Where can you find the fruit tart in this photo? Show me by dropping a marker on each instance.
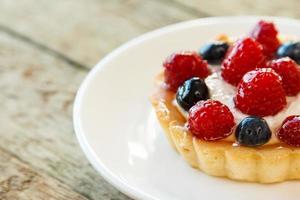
(233, 108)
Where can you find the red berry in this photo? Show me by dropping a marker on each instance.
(210, 120)
(260, 93)
(290, 74)
(245, 55)
(182, 66)
(289, 132)
(266, 34)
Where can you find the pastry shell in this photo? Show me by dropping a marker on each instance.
(265, 164)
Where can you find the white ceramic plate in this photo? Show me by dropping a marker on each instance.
(118, 131)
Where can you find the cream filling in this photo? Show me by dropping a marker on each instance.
(224, 92)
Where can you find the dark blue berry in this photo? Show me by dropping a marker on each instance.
(290, 49)
(192, 91)
(214, 52)
(253, 131)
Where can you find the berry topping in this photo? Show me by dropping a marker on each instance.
(180, 67)
(289, 132)
(192, 91)
(210, 120)
(290, 74)
(266, 34)
(260, 93)
(214, 52)
(245, 55)
(253, 131)
(290, 49)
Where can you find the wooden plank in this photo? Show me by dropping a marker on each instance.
(288, 8)
(37, 92)
(85, 30)
(18, 181)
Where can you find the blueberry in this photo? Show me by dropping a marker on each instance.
(192, 91)
(253, 131)
(290, 49)
(214, 52)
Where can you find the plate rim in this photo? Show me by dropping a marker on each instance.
(96, 162)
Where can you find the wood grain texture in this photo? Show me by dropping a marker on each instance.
(85, 30)
(37, 92)
(18, 182)
(289, 8)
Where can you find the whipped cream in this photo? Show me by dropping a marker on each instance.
(224, 92)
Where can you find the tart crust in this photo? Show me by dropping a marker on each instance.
(265, 164)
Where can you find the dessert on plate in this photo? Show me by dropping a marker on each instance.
(233, 108)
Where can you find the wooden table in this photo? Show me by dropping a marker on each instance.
(46, 49)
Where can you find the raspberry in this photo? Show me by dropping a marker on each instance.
(182, 66)
(290, 74)
(210, 120)
(289, 132)
(260, 93)
(245, 55)
(266, 34)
